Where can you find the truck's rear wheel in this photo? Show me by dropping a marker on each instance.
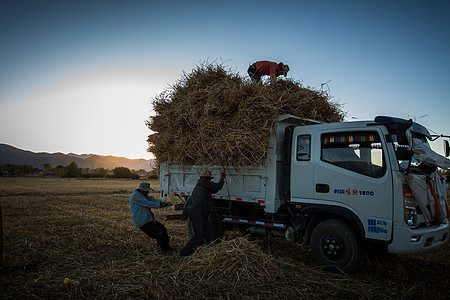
(335, 245)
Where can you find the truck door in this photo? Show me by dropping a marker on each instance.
(302, 166)
(351, 170)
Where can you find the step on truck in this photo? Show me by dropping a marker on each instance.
(342, 188)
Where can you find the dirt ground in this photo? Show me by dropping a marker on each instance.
(82, 229)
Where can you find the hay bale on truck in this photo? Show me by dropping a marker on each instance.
(213, 116)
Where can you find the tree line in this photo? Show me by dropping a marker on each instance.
(73, 171)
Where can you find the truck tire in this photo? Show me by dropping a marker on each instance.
(334, 244)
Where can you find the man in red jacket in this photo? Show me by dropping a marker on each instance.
(261, 68)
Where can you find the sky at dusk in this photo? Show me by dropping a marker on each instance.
(80, 76)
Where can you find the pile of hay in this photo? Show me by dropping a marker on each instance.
(213, 116)
(240, 269)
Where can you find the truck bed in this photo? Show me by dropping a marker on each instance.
(247, 184)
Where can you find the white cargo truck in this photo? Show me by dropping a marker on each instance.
(341, 188)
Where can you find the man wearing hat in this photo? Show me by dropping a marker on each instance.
(264, 67)
(199, 207)
(141, 204)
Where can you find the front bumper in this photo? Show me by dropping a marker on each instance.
(407, 241)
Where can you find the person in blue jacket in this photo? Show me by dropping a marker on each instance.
(141, 205)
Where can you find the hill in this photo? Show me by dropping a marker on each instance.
(13, 155)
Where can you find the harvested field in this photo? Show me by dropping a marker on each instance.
(214, 116)
(82, 229)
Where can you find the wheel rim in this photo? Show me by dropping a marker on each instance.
(333, 247)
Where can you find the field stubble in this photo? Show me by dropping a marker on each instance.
(83, 229)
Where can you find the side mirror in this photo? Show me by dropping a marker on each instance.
(446, 148)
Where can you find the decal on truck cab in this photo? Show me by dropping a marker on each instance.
(377, 225)
(353, 192)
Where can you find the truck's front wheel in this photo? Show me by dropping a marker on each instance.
(334, 244)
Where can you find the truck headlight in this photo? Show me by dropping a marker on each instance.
(409, 206)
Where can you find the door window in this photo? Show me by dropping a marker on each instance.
(360, 152)
(303, 147)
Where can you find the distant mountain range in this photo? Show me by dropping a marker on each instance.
(13, 155)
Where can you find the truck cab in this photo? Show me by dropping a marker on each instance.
(359, 177)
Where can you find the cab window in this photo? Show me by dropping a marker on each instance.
(360, 152)
(303, 151)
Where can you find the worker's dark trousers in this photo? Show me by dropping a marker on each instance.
(157, 231)
(202, 230)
